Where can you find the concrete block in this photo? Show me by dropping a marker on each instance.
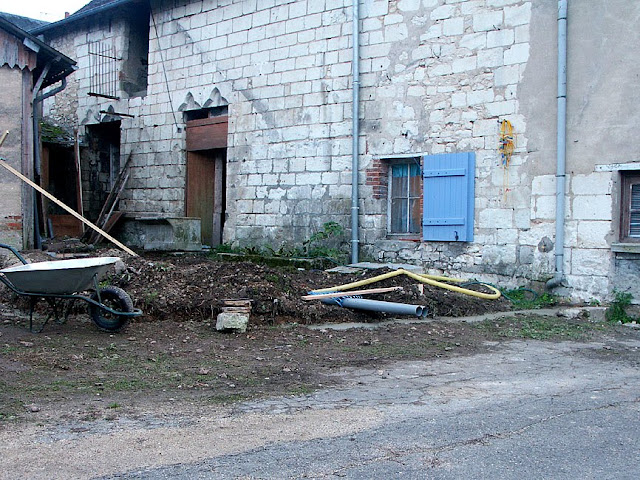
(592, 207)
(517, 15)
(464, 64)
(544, 207)
(485, 22)
(443, 12)
(480, 96)
(453, 26)
(495, 218)
(518, 53)
(591, 261)
(593, 234)
(473, 41)
(396, 33)
(508, 75)
(235, 321)
(592, 184)
(500, 38)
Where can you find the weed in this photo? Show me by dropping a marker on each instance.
(114, 405)
(526, 299)
(537, 328)
(617, 311)
(149, 298)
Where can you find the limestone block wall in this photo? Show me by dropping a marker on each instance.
(437, 76)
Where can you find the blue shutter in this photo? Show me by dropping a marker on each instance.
(448, 208)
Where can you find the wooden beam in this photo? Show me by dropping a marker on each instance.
(320, 296)
(68, 209)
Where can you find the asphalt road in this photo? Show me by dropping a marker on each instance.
(525, 410)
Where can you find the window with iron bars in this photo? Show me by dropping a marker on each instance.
(103, 70)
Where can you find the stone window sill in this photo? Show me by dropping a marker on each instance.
(404, 237)
(625, 247)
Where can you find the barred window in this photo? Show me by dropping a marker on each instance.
(103, 70)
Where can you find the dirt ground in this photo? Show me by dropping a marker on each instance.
(174, 353)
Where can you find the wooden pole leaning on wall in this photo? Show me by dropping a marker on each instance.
(68, 209)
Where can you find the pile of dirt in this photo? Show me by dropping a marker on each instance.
(195, 287)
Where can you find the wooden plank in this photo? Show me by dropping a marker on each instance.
(67, 208)
(200, 192)
(208, 121)
(207, 136)
(112, 198)
(78, 172)
(369, 291)
(218, 196)
(65, 225)
(96, 237)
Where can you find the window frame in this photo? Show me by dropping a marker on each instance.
(629, 179)
(408, 161)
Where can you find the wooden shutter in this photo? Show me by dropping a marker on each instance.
(448, 183)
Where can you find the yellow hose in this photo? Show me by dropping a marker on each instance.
(434, 280)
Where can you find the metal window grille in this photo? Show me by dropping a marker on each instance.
(634, 211)
(103, 71)
(404, 198)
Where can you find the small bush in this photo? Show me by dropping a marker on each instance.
(617, 311)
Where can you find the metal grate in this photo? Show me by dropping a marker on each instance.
(103, 71)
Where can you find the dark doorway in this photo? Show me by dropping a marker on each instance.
(100, 166)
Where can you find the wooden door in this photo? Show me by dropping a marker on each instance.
(206, 173)
(206, 192)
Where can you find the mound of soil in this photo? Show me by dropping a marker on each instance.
(195, 287)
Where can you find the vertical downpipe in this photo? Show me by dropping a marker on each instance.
(355, 241)
(558, 279)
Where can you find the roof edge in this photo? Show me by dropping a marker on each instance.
(79, 16)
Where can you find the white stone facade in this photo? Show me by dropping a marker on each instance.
(437, 76)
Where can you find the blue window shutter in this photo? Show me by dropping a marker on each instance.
(449, 193)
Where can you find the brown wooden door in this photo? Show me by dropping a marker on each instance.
(206, 173)
(205, 192)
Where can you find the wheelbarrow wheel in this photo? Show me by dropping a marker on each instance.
(116, 299)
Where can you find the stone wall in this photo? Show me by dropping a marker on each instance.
(437, 76)
(11, 186)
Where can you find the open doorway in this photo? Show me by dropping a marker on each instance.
(100, 166)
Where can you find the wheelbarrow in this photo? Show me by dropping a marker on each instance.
(66, 281)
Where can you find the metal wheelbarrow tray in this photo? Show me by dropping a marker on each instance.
(110, 307)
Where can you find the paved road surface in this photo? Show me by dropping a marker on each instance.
(524, 410)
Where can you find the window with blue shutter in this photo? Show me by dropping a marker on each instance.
(448, 197)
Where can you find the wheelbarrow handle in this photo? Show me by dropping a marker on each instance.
(15, 252)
